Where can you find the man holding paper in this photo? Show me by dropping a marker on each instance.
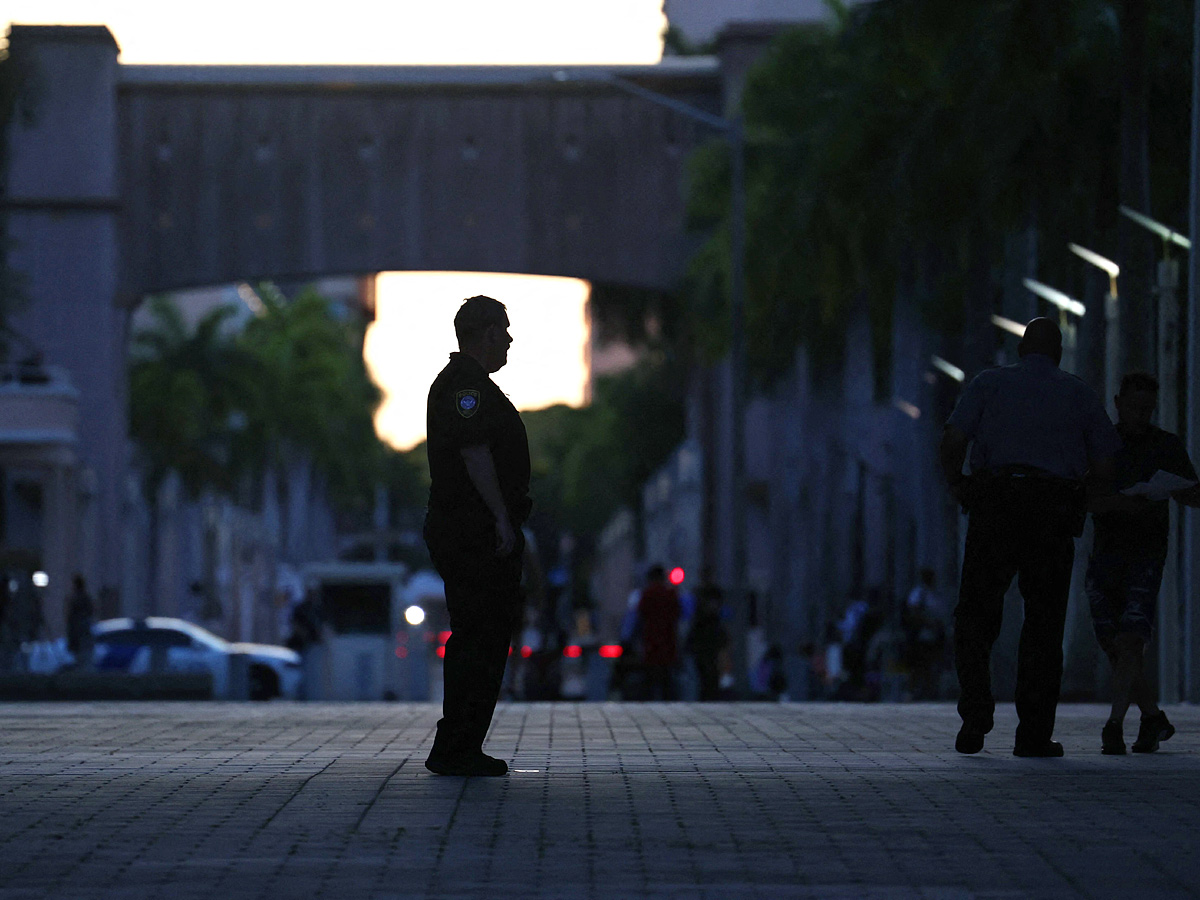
(1132, 527)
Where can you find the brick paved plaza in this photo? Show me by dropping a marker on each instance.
(285, 800)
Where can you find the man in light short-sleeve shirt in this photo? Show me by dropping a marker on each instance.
(1034, 432)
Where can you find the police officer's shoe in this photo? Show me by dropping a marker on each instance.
(1112, 739)
(467, 766)
(1047, 749)
(970, 739)
(1152, 730)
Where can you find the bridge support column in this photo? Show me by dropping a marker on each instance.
(61, 206)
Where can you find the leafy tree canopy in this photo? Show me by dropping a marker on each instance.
(221, 407)
(894, 146)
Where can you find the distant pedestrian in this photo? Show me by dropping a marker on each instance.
(9, 643)
(81, 613)
(26, 623)
(1128, 554)
(923, 619)
(832, 668)
(708, 637)
(863, 618)
(306, 621)
(306, 638)
(478, 500)
(658, 612)
(31, 619)
(1034, 432)
(769, 681)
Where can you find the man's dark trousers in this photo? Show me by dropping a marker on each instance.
(1022, 529)
(483, 598)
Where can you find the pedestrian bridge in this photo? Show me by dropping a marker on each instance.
(234, 172)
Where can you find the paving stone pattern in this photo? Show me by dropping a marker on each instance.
(280, 800)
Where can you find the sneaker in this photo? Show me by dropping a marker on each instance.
(1047, 750)
(1151, 731)
(969, 740)
(1112, 739)
(471, 765)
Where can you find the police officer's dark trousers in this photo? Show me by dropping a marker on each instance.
(483, 598)
(1019, 527)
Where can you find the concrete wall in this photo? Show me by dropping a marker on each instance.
(672, 503)
(843, 489)
(615, 573)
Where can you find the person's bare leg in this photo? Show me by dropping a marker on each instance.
(1129, 677)
(1140, 690)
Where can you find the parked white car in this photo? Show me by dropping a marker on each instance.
(174, 645)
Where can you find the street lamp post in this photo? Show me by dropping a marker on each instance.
(1172, 654)
(1066, 304)
(1112, 322)
(1191, 517)
(951, 371)
(1014, 328)
(733, 132)
(1077, 625)
(1166, 287)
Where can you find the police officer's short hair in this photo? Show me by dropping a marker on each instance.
(1138, 381)
(476, 314)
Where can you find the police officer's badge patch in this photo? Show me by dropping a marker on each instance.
(467, 403)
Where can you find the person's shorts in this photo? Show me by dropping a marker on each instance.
(1123, 595)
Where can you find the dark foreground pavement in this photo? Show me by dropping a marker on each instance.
(281, 801)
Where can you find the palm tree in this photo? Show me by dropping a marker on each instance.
(186, 389)
(311, 404)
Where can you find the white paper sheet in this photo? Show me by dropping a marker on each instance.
(1160, 486)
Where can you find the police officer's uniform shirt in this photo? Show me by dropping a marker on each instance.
(467, 409)
(1034, 414)
(1138, 459)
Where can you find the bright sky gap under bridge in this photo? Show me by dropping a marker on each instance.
(413, 336)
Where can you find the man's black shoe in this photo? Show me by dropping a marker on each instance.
(969, 740)
(1151, 731)
(469, 766)
(1112, 739)
(1048, 750)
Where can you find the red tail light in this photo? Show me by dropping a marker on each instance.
(441, 652)
(611, 651)
(572, 651)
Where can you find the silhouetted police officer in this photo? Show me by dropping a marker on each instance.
(1035, 432)
(478, 500)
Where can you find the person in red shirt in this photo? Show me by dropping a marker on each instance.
(658, 612)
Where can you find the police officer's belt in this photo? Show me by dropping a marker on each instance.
(1061, 499)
